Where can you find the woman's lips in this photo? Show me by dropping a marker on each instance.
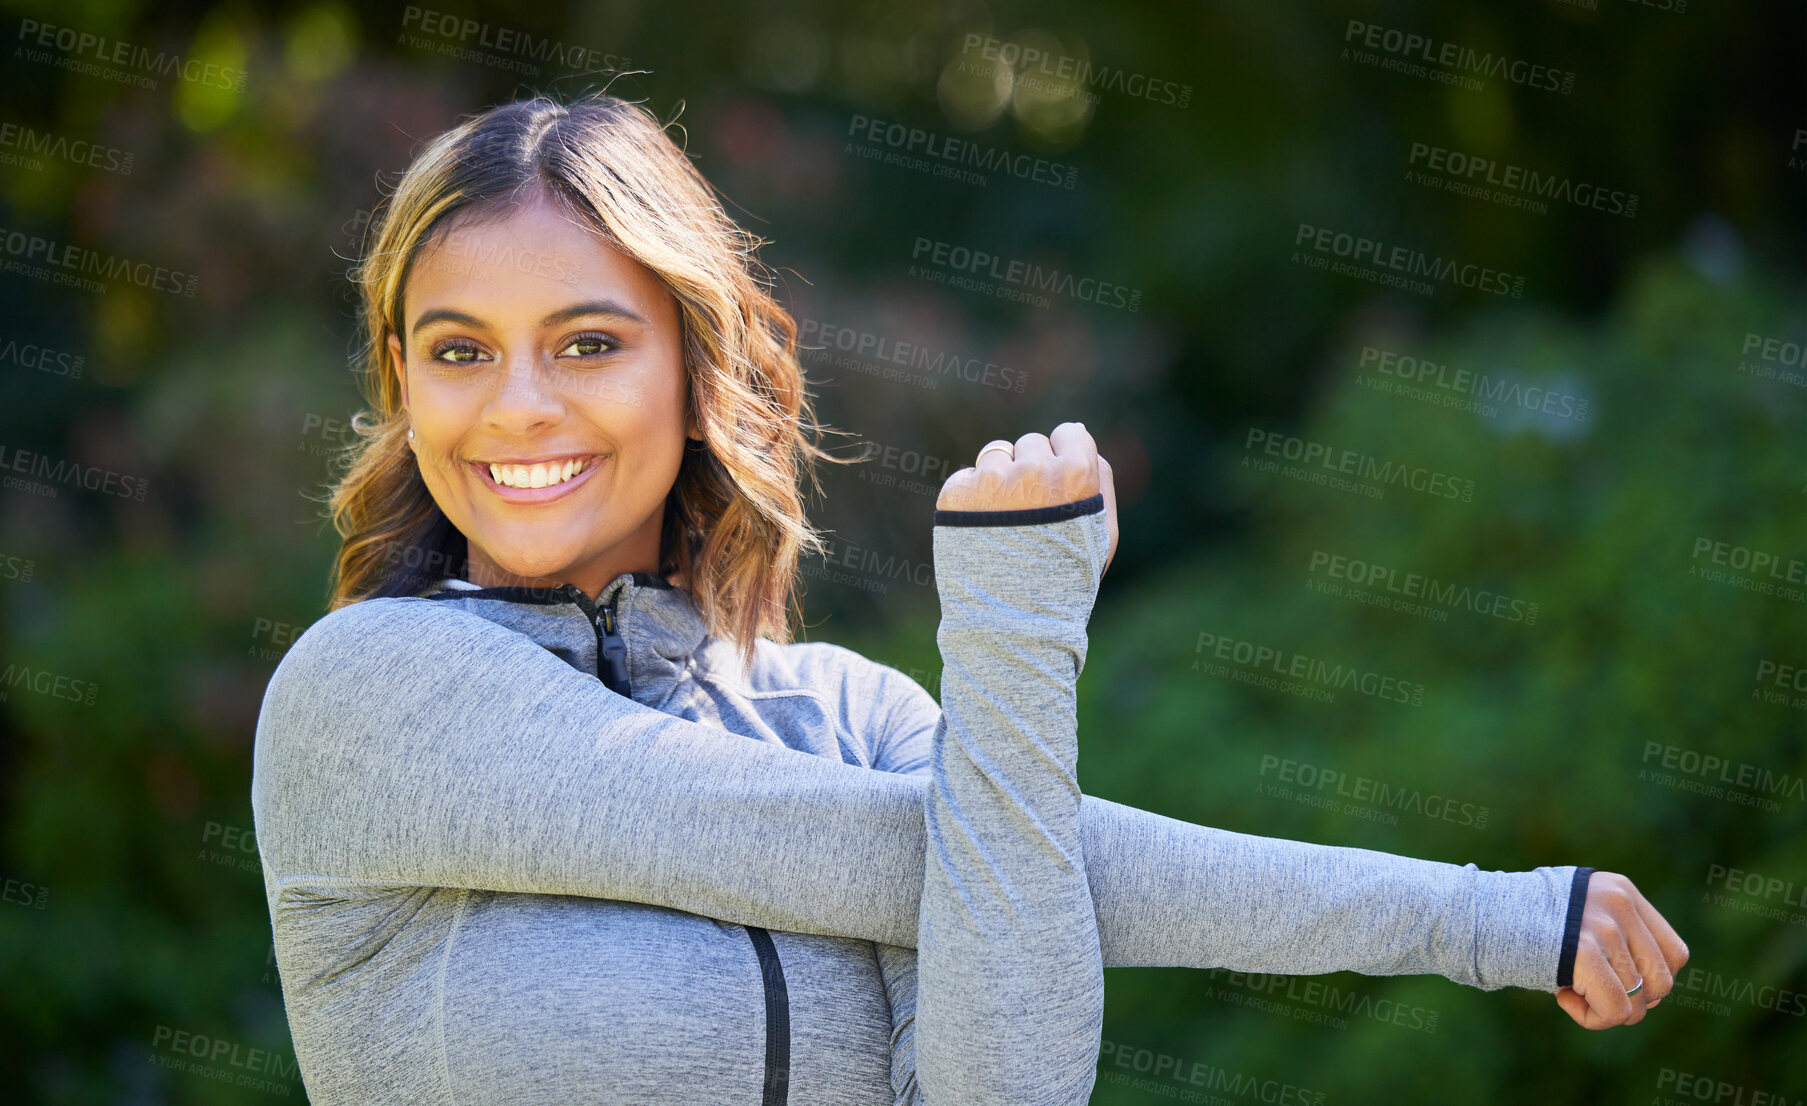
(537, 495)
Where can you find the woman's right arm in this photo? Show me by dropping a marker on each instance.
(403, 742)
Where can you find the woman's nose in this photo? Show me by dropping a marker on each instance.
(527, 395)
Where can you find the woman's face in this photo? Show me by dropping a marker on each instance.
(532, 346)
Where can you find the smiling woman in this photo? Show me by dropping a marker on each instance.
(550, 808)
(553, 283)
(548, 440)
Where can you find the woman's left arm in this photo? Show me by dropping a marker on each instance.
(1010, 1000)
(1006, 977)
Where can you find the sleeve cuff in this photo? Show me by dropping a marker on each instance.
(1011, 589)
(1028, 516)
(1521, 918)
(1571, 928)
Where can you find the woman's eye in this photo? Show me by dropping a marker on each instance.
(588, 345)
(464, 352)
(458, 352)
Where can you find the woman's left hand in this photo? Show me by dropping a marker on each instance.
(1040, 471)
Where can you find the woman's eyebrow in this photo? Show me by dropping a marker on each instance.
(594, 307)
(563, 314)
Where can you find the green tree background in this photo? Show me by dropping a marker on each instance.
(133, 906)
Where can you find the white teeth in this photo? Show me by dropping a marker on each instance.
(536, 476)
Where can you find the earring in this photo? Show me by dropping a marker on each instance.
(410, 433)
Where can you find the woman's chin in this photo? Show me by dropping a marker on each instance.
(525, 570)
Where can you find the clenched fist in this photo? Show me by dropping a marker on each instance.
(1036, 471)
(1623, 939)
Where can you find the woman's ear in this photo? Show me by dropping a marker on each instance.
(398, 365)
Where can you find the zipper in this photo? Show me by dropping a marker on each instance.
(611, 647)
(611, 651)
(777, 1019)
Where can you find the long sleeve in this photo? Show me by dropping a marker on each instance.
(1010, 985)
(402, 742)
(1165, 889)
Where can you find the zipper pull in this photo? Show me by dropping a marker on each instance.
(614, 649)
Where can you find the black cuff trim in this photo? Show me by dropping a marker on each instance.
(1571, 928)
(1028, 516)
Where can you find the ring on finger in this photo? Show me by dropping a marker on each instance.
(1638, 988)
(1003, 447)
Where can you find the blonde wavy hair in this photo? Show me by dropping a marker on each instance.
(734, 524)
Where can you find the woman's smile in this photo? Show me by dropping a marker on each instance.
(537, 481)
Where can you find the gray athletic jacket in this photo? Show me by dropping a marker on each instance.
(521, 847)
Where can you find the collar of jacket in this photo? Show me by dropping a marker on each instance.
(657, 622)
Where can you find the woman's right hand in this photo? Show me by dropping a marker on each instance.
(1041, 470)
(1623, 939)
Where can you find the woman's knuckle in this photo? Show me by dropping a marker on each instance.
(1614, 895)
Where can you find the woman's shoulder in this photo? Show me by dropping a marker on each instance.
(858, 685)
(818, 664)
(365, 634)
(366, 616)
(886, 712)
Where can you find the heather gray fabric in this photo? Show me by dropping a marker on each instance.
(493, 879)
(1010, 983)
